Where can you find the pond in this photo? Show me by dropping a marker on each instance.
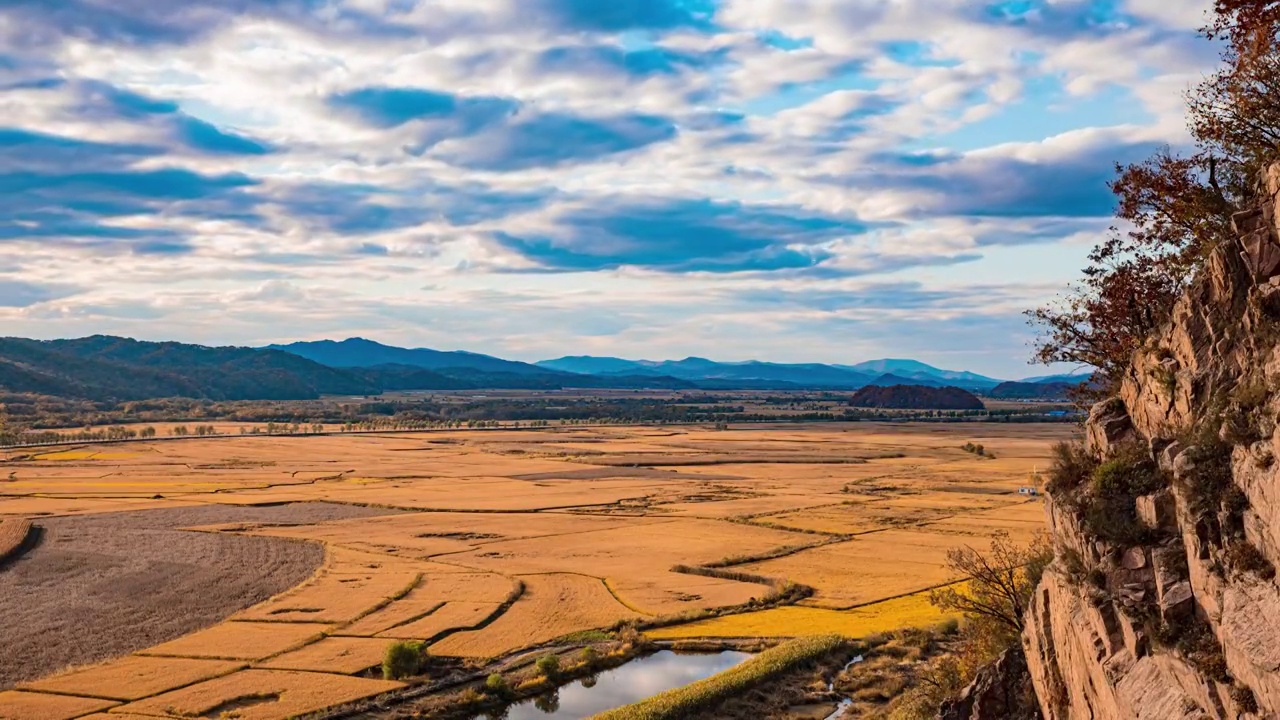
(633, 682)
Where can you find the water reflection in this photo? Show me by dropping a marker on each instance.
(630, 683)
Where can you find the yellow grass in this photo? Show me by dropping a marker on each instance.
(261, 695)
(19, 705)
(867, 568)
(911, 611)
(241, 640)
(552, 606)
(432, 592)
(134, 677)
(348, 655)
(334, 597)
(449, 616)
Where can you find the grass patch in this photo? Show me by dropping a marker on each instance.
(687, 701)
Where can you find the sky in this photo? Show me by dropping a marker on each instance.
(784, 180)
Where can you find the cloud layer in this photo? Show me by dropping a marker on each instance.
(794, 180)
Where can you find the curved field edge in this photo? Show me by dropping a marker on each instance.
(704, 694)
(138, 564)
(16, 536)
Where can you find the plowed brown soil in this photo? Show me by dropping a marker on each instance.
(101, 586)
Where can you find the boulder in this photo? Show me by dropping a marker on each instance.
(1158, 510)
(1135, 558)
(1109, 425)
(1261, 254)
(1269, 297)
(1177, 603)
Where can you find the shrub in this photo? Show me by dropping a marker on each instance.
(1243, 557)
(1250, 393)
(1072, 565)
(1098, 578)
(590, 656)
(1115, 519)
(1110, 512)
(1243, 697)
(1234, 505)
(1072, 465)
(549, 666)
(950, 626)
(941, 681)
(1209, 482)
(1198, 644)
(497, 685)
(1129, 473)
(402, 659)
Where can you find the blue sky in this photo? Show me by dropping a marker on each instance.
(789, 180)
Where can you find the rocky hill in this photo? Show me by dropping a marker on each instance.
(1163, 602)
(915, 397)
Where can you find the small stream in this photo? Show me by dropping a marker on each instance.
(846, 703)
(633, 682)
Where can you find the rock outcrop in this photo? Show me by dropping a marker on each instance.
(1002, 691)
(1179, 617)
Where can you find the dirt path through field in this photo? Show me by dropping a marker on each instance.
(101, 586)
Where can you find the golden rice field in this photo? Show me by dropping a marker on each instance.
(487, 543)
(912, 611)
(551, 606)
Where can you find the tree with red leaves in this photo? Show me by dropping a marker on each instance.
(1175, 209)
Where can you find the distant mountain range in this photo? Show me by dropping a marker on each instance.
(113, 368)
(876, 372)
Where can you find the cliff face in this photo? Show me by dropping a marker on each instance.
(1180, 619)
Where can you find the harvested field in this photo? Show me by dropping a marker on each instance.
(552, 606)
(435, 591)
(260, 695)
(129, 581)
(335, 596)
(134, 677)
(18, 705)
(347, 655)
(241, 640)
(636, 558)
(449, 616)
(14, 535)
(422, 536)
(888, 564)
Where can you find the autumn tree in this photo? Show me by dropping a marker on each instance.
(1173, 209)
(995, 597)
